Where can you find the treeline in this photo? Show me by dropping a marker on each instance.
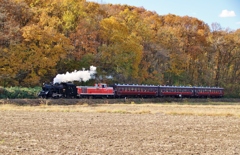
(39, 39)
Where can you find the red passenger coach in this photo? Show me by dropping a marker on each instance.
(99, 90)
(176, 91)
(135, 90)
(213, 92)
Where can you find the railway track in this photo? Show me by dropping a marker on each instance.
(33, 102)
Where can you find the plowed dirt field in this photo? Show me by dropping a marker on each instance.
(120, 129)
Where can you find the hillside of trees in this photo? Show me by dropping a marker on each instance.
(40, 39)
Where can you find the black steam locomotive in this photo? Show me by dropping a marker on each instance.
(62, 90)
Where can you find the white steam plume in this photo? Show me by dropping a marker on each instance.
(83, 75)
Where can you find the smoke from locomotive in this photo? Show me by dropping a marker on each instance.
(82, 75)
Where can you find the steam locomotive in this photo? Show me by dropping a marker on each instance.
(101, 90)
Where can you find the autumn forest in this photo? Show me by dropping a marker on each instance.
(41, 38)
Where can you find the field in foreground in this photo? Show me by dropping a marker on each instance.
(120, 129)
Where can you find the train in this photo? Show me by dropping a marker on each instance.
(102, 90)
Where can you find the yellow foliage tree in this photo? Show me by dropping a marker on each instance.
(121, 50)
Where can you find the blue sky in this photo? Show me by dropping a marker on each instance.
(224, 12)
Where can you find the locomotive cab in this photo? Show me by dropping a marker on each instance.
(69, 90)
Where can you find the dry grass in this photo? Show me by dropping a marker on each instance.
(168, 109)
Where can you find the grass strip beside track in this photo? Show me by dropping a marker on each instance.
(166, 109)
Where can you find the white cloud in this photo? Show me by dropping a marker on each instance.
(238, 23)
(226, 13)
